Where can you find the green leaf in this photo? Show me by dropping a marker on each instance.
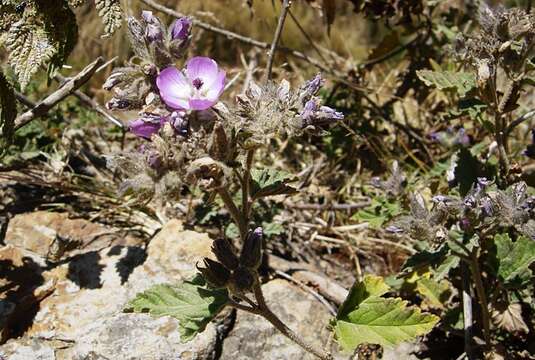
(461, 81)
(192, 303)
(365, 317)
(514, 259)
(360, 291)
(8, 112)
(270, 182)
(378, 213)
(29, 47)
(435, 293)
(440, 262)
(111, 13)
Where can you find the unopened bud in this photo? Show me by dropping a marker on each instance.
(215, 274)
(241, 281)
(251, 255)
(225, 254)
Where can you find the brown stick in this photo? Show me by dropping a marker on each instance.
(276, 38)
(51, 100)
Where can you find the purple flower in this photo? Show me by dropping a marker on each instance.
(315, 114)
(312, 87)
(150, 124)
(180, 29)
(153, 31)
(198, 87)
(146, 126)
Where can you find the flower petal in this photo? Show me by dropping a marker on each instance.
(143, 128)
(217, 87)
(203, 68)
(201, 104)
(175, 89)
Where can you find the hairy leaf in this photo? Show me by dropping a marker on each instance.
(366, 317)
(111, 13)
(380, 211)
(8, 111)
(270, 182)
(29, 47)
(360, 291)
(460, 81)
(435, 293)
(192, 303)
(514, 259)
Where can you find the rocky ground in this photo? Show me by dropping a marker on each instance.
(65, 283)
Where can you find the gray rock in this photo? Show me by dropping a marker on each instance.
(254, 338)
(82, 318)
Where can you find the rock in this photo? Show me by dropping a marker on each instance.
(254, 338)
(52, 235)
(83, 318)
(26, 349)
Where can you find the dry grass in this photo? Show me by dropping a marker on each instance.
(350, 39)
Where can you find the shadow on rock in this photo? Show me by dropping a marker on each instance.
(134, 257)
(85, 270)
(18, 303)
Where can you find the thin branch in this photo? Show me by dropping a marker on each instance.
(234, 212)
(467, 311)
(519, 121)
(24, 100)
(267, 314)
(276, 38)
(338, 76)
(51, 100)
(89, 102)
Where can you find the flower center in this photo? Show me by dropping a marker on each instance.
(197, 83)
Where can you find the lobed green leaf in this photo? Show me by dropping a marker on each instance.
(192, 303)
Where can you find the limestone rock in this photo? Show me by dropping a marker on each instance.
(52, 234)
(254, 338)
(83, 317)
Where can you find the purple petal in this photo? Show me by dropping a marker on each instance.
(201, 104)
(217, 87)
(202, 68)
(180, 28)
(143, 128)
(175, 89)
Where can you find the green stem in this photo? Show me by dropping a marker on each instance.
(234, 212)
(480, 290)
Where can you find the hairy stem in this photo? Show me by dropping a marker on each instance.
(480, 290)
(267, 314)
(278, 32)
(467, 311)
(234, 212)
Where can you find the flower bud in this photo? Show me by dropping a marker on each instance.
(225, 254)
(251, 255)
(214, 273)
(181, 29)
(153, 29)
(241, 281)
(310, 88)
(179, 122)
(146, 126)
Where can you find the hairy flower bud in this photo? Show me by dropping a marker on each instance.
(225, 254)
(215, 274)
(311, 88)
(145, 126)
(315, 115)
(181, 29)
(251, 255)
(153, 29)
(242, 280)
